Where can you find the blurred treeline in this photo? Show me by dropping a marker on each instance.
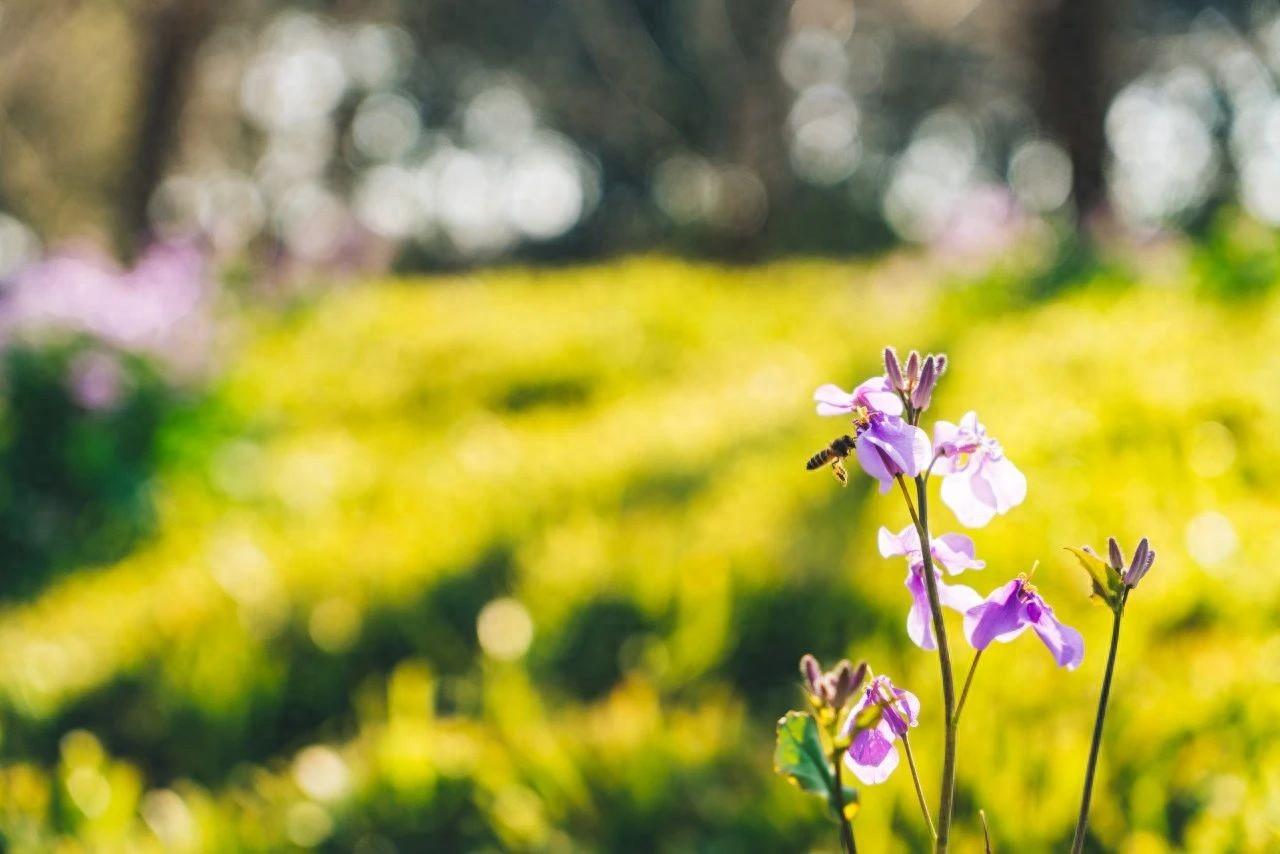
(360, 134)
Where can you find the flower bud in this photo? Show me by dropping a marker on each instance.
(1116, 557)
(812, 673)
(846, 681)
(942, 363)
(892, 369)
(1140, 555)
(924, 389)
(1143, 557)
(830, 691)
(913, 369)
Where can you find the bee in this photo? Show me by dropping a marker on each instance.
(833, 455)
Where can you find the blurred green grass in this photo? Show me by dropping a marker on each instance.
(293, 661)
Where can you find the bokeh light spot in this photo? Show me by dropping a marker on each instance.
(505, 629)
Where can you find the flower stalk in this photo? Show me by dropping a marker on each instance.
(968, 680)
(1112, 583)
(1082, 823)
(920, 517)
(915, 778)
(847, 842)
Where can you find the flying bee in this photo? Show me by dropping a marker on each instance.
(833, 455)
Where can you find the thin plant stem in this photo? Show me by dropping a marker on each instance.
(915, 778)
(968, 680)
(1082, 822)
(847, 842)
(986, 831)
(911, 507)
(920, 516)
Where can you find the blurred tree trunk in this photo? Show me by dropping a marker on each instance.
(170, 34)
(737, 43)
(1068, 39)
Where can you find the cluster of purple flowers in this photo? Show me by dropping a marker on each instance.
(159, 309)
(978, 483)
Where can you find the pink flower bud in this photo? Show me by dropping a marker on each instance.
(924, 389)
(892, 369)
(1114, 554)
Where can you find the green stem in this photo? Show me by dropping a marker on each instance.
(1082, 822)
(847, 844)
(920, 516)
(986, 831)
(968, 680)
(915, 778)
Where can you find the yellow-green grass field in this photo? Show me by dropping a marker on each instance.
(524, 560)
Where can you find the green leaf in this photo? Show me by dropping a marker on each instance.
(798, 754)
(1108, 584)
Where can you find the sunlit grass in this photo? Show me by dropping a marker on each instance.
(616, 452)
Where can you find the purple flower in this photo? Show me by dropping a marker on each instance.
(953, 551)
(957, 597)
(872, 754)
(1010, 610)
(97, 380)
(876, 395)
(887, 447)
(159, 308)
(979, 480)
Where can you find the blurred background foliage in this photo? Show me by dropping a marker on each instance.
(426, 572)
(355, 496)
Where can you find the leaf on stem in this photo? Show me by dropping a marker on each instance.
(798, 754)
(1108, 584)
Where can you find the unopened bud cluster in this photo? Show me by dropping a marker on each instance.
(914, 382)
(1143, 557)
(1111, 579)
(830, 691)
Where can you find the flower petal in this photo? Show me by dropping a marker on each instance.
(1066, 644)
(877, 394)
(900, 544)
(945, 435)
(958, 597)
(999, 618)
(872, 757)
(956, 553)
(921, 450)
(909, 704)
(893, 444)
(969, 497)
(873, 462)
(1008, 485)
(833, 400)
(890, 446)
(920, 616)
